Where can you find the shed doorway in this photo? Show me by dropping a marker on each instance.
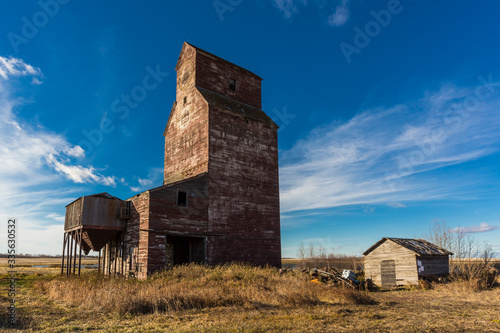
(182, 250)
(388, 273)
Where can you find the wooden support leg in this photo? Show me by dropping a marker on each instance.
(116, 255)
(70, 252)
(64, 246)
(80, 256)
(123, 253)
(99, 263)
(75, 233)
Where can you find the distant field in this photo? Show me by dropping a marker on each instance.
(45, 261)
(291, 260)
(28, 265)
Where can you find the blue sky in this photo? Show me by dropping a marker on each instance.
(388, 110)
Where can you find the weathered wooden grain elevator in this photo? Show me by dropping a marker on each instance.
(220, 196)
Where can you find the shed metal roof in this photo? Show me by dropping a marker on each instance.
(419, 246)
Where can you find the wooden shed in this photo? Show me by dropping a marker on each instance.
(399, 261)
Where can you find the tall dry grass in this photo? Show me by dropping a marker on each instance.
(195, 287)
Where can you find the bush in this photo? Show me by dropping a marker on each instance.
(478, 275)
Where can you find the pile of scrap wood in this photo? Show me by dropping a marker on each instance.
(334, 276)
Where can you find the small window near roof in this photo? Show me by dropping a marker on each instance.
(232, 84)
(182, 198)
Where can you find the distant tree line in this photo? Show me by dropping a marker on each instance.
(319, 257)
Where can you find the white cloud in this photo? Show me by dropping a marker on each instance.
(482, 227)
(36, 81)
(55, 217)
(12, 67)
(388, 155)
(396, 205)
(154, 179)
(368, 209)
(340, 16)
(75, 151)
(79, 174)
(123, 181)
(289, 7)
(145, 182)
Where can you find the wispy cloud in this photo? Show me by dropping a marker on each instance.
(55, 217)
(36, 81)
(396, 205)
(12, 67)
(482, 227)
(340, 16)
(387, 155)
(289, 7)
(78, 173)
(368, 209)
(155, 177)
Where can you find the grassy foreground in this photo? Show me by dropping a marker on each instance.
(236, 298)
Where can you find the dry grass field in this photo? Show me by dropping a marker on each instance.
(235, 298)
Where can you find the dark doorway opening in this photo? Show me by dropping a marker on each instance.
(182, 250)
